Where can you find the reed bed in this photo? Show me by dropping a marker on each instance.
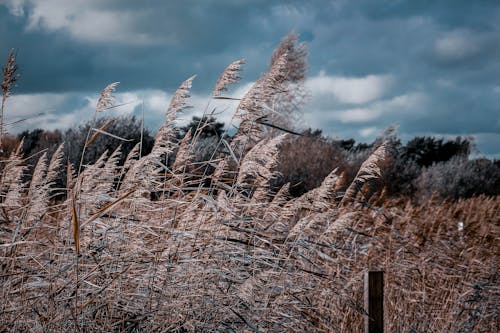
(172, 265)
(156, 247)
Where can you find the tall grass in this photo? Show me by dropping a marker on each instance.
(153, 245)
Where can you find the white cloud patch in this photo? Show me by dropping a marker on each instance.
(351, 90)
(29, 105)
(410, 102)
(358, 115)
(61, 111)
(368, 132)
(457, 45)
(87, 20)
(496, 89)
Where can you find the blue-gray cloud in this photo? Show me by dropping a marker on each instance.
(422, 64)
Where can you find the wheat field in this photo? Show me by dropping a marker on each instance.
(165, 243)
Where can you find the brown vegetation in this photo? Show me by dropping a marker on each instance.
(160, 243)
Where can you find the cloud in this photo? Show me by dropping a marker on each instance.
(372, 57)
(368, 132)
(28, 105)
(458, 45)
(86, 20)
(351, 90)
(401, 105)
(488, 144)
(64, 110)
(15, 7)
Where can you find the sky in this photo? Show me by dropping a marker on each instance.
(428, 67)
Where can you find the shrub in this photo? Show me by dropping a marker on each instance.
(304, 161)
(209, 127)
(410, 160)
(127, 127)
(459, 178)
(38, 139)
(428, 150)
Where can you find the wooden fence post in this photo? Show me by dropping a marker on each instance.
(374, 302)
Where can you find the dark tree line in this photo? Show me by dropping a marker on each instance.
(421, 167)
(417, 169)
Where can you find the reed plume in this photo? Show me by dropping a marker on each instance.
(251, 107)
(370, 169)
(237, 256)
(13, 187)
(229, 76)
(257, 168)
(285, 109)
(164, 140)
(106, 99)
(184, 155)
(10, 77)
(38, 193)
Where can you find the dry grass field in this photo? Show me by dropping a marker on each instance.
(165, 243)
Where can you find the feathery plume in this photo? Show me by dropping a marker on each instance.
(229, 76)
(55, 164)
(71, 177)
(43, 178)
(179, 99)
(339, 224)
(88, 178)
(273, 211)
(326, 191)
(257, 166)
(106, 99)
(262, 91)
(163, 143)
(295, 55)
(132, 157)
(259, 160)
(184, 154)
(342, 182)
(370, 169)
(286, 106)
(12, 185)
(108, 173)
(251, 107)
(143, 176)
(39, 175)
(9, 81)
(9, 75)
(7, 175)
(38, 193)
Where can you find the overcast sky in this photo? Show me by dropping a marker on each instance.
(431, 67)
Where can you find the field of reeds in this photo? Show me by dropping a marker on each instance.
(164, 242)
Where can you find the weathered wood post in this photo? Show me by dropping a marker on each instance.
(374, 302)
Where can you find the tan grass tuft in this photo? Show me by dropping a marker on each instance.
(8, 82)
(106, 99)
(229, 76)
(370, 169)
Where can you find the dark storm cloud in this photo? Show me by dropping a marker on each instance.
(167, 42)
(431, 66)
